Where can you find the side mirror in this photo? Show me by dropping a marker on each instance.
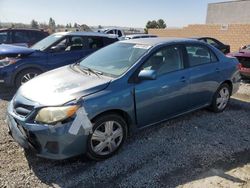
(147, 75)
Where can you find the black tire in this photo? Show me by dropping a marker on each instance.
(98, 123)
(20, 76)
(215, 106)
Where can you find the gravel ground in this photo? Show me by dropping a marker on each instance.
(201, 149)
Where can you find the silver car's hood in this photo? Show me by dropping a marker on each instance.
(61, 85)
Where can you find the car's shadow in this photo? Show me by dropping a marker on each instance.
(7, 93)
(170, 154)
(247, 81)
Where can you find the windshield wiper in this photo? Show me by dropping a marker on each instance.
(97, 73)
(77, 67)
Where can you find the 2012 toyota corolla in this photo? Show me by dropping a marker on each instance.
(91, 106)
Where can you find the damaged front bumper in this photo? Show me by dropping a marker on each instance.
(48, 141)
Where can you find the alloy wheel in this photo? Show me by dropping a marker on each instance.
(28, 77)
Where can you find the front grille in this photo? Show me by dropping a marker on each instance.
(22, 107)
(23, 110)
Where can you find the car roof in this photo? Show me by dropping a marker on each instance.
(202, 37)
(21, 29)
(137, 35)
(82, 33)
(158, 40)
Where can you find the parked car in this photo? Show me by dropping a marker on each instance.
(21, 37)
(113, 31)
(216, 43)
(137, 36)
(91, 106)
(18, 64)
(243, 55)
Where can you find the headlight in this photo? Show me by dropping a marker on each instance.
(7, 61)
(52, 115)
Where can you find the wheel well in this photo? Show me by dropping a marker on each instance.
(121, 113)
(229, 83)
(24, 69)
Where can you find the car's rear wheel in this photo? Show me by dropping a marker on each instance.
(26, 75)
(221, 98)
(109, 133)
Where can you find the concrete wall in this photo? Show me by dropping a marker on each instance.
(229, 12)
(236, 35)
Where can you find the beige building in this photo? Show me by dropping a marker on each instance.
(230, 12)
(228, 21)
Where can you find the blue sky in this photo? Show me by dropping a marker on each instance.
(131, 13)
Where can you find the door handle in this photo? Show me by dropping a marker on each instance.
(183, 79)
(217, 69)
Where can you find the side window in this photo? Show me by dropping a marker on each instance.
(3, 37)
(69, 44)
(95, 42)
(199, 55)
(108, 41)
(75, 43)
(165, 60)
(60, 46)
(111, 32)
(119, 33)
(20, 37)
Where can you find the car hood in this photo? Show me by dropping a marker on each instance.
(62, 85)
(6, 49)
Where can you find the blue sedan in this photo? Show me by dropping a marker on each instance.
(91, 106)
(19, 64)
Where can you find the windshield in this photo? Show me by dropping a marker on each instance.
(115, 59)
(46, 42)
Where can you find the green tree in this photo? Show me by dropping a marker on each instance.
(159, 24)
(152, 24)
(52, 24)
(75, 25)
(43, 25)
(34, 24)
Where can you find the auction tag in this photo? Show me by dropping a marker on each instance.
(81, 120)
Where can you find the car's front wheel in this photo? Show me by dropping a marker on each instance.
(109, 133)
(221, 98)
(26, 75)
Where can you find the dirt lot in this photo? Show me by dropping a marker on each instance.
(201, 149)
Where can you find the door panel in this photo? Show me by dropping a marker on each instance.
(204, 74)
(159, 99)
(59, 59)
(162, 98)
(204, 80)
